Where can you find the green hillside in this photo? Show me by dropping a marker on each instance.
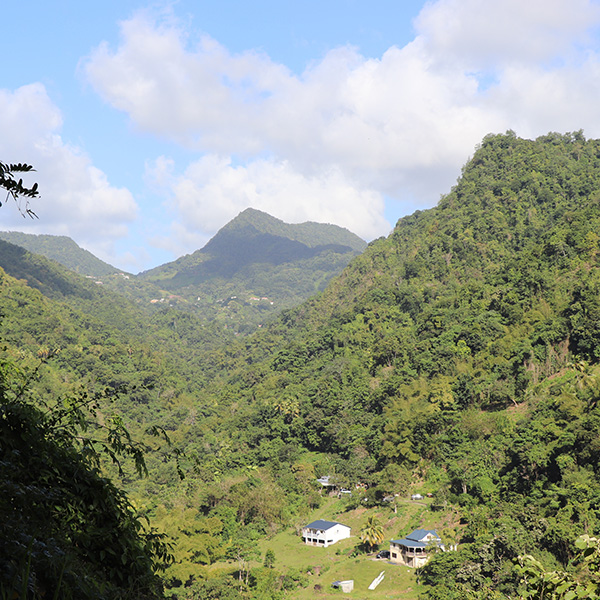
(460, 352)
(100, 335)
(61, 249)
(65, 252)
(458, 358)
(256, 266)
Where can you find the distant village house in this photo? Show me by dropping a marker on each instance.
(325, 481)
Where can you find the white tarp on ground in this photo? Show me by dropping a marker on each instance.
(377, 580)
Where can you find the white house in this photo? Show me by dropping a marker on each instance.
(324, 533)
(415, 548)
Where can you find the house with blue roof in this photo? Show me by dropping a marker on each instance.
(324, 533)
(414, 550)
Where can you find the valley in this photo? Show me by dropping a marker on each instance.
(458, 359)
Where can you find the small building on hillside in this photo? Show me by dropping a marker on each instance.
(324, 533)
(325, 481)
(415, 548)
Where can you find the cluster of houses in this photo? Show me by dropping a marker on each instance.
(411, 551)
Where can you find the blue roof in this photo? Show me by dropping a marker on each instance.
(419, 534)
(325, 525)
(414, 539)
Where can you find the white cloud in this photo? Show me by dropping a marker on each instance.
(212, 191)
(558, 100)
(76, 198)
(481, 34)
(201, 97)
(329, 144)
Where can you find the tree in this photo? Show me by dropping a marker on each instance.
(372, 533)
(242, 548)
(269, 558)
(68, 531)
(16, 189)
(584, 583)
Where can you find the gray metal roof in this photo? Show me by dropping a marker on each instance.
(324, 525)
(419, 534)
(414, 539)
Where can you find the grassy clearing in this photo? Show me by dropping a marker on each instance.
(326, 565)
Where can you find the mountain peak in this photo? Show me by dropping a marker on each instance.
(309, 233)
(257, 255)
(253, 217)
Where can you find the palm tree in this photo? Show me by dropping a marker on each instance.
(372, 533)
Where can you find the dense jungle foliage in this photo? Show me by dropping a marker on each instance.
(67, 531)
(459, 356)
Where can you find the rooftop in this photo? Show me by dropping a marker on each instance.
(324, 525)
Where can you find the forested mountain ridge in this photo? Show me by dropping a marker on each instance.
(515, 198)
(256, 266)
(254, 237)
(61, 249)
(309, 233)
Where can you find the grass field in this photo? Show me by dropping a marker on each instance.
(323, 566)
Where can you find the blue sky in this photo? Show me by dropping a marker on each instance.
(152, 124)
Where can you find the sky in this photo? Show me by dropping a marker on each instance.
(153, 124)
